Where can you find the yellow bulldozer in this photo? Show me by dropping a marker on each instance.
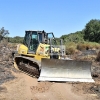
(41, 57)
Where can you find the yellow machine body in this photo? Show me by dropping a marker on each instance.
(41, 52)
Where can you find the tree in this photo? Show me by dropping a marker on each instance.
(3, 33)
(92, 31)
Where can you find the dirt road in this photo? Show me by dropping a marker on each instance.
(25, 87)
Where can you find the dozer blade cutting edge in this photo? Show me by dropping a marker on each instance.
(65, 70)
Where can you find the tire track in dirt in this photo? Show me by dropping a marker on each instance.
(41, 87)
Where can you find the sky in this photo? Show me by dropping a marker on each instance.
(58, 16)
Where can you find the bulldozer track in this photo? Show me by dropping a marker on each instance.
(28, 67)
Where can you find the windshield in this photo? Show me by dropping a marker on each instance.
(34, 41)
(34, 35)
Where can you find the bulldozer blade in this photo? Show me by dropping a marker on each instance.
(65, 70)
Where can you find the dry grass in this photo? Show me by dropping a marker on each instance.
(81, 47)
(72, 48)
(98, 57)
(3, 43)
(87, 58)
(88, 45)
(6, 49)
(12, 45)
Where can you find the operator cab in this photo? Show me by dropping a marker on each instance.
(33, 38)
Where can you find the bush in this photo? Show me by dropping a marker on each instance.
(81, 46)
(98, 57)
(88, 45)
(70, 48)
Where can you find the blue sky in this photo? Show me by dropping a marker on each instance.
(57, 16)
